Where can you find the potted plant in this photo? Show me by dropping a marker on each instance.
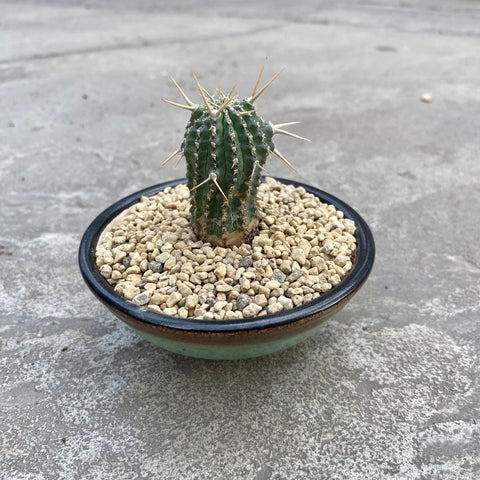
(225, 265)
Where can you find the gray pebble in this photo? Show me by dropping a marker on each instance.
(295, 275)
(142, 298)
(210, 301)
(182, 302)
(246, 262)
(156, 267)
(229, 260)
(243, 301)
(127, 261)
(279, 277)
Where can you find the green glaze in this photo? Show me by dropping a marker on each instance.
(228, 352)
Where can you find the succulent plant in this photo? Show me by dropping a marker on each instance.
(226, 145)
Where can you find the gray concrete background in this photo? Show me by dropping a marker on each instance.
(389, 388)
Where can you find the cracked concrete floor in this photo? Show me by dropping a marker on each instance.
(389, 388)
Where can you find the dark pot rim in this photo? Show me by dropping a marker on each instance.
(364, 260)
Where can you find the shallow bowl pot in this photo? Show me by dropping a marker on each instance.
(229, 339)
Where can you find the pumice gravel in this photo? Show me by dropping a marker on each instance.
(151, 256)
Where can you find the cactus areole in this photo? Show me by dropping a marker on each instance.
(226, 145)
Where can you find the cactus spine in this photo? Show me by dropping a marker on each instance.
(226, 145)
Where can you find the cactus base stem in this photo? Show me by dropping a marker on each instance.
(231, 239)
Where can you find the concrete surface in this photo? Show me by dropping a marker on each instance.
(389, 388)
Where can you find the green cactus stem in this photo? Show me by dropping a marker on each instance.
(226, 145)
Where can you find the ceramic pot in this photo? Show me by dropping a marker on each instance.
(226, 339)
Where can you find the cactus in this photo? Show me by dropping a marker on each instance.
(226, 145)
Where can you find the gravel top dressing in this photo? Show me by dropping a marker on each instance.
(151, 256)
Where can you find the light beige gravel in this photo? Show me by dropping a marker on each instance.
(151, 256)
